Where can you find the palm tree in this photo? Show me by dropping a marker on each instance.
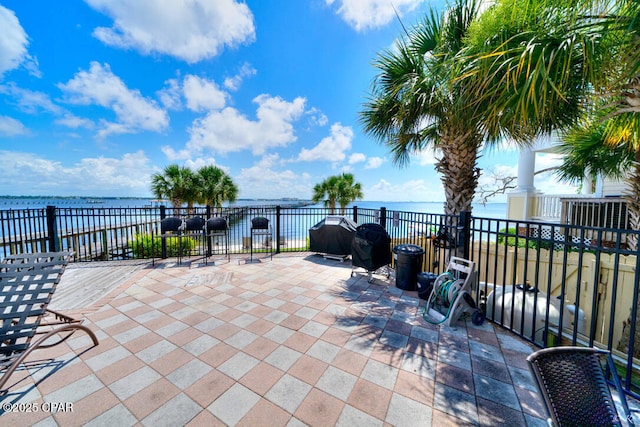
(418, 102)
(174, 183)
(216, 186)
(547, 65)
(348, 191)
(327, 192)
(336, 189)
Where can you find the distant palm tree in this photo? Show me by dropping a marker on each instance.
(216, 186)
(337, 189)
(175, 183)
(348, 191)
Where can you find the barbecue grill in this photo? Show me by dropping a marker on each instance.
(332, 236)
(370, 249)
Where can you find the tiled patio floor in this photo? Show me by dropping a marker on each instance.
(290, 341)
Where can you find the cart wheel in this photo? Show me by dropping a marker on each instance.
(477, 318)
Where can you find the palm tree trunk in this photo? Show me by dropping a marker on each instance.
(633, 209)
(459, 173)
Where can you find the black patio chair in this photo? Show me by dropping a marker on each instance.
(171, 228)
(574, 387)
(260, 227)
(27, 284)
(216, 229)
(194, 228)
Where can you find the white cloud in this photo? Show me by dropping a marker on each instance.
(425, 157)
(30, 101)
(366, 14)
(202, 94)
(99, 176)
(412, 190)
(171, 95)
(332, 148)
(99, 86)
(13, 44)
(72, 121)
(229, 130)
(374, 163)
(11, 127)
(234, 82)
(357, 158)
(267, 179)
(189, 30)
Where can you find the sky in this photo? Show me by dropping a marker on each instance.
(98, 95)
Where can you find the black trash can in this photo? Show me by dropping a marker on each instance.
(425, 284)
(408, 263)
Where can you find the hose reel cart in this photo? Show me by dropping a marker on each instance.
(451, 298)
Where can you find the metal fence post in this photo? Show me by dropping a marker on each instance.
(464, 233)
(52, 229)
(277, 229)
(163, 215)
(383, 217)
(207, 216)
(355, 214)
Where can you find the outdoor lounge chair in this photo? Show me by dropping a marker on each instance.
(574, 387)
(27, 284)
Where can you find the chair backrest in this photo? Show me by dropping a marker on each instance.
(195, 224)
(27, 284)
(259, 223)
(172, 224)
(573, 386)
(216, 224)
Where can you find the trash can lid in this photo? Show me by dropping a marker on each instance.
(408, 249)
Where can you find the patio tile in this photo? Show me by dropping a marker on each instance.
(491, 413)
(419, 365)
(454, 357)
(300, 342)
(308, 369)
(455, 402)
(156, 351)
(241, 339)
(354, 417)
(119, 369)
(261, 378)
(282, 357)
(288, 393)
(209, 387)
(337, 382)
(151, 398)
(177, 411)
(380, 374)
(496, 391)
(119, 415)
(87, 409)
(134, 382)
(455, 377)
(406, 412)
(319, 409)
(265, 413)
(485, 351)
(187, 374)
(200, 344)
(279, 334)
(323, 351)
(76, 390)
(415, 387)
(107, 358)
(370, 398)
(238, 365)
(171, 361)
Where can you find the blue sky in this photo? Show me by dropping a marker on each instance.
(98, 95)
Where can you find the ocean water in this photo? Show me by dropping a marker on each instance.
(490, 210)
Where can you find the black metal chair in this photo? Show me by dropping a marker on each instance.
(574, 387)
(261, 227)
(27, 284)
(194, 228)
(171, 228)
(216, 229)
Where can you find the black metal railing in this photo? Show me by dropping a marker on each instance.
(549, 283)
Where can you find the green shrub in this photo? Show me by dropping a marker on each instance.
(509, 236)
(148, 246)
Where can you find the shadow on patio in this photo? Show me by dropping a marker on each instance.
(296, 340)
